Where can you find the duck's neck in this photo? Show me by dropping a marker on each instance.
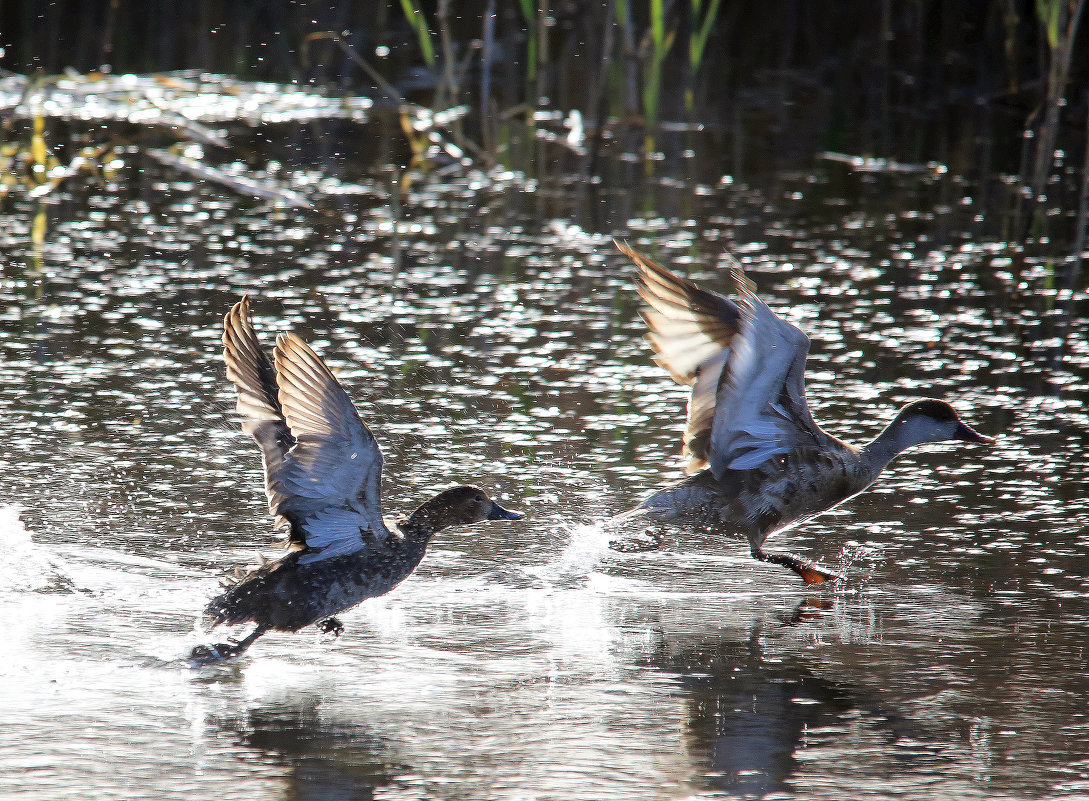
(420, 526)
(886, 446)
(875, 457)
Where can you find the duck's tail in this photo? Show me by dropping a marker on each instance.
(221, 652)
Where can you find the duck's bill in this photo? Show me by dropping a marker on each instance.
(967, 434)
(499, 513)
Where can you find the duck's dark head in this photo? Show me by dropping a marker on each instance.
(932, 420)
(471, 505)
(459, 505)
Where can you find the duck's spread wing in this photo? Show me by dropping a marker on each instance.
(322, 465)
(760, 407)
(332, 474)
(251, 371)
(746, 367)
(692, 331)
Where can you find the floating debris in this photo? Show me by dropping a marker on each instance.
(177, 99)
(236, 183)
(869, 164)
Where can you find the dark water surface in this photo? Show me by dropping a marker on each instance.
(529, 661)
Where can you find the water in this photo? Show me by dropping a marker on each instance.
(528, 660)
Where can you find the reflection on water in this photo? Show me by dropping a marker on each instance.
(534, 663)
(751, 715)
(326, 760)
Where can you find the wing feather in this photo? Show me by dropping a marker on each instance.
(252, 372)
(761, 410)
(691, 332)
(322, 464)
(335, 453)
(746, 367)
(331, 532)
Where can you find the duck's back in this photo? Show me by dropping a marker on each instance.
(288, 595)
(784, 490)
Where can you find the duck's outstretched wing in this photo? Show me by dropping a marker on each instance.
(746, 367)
(323, 466)
(335, 465)
(761, 410)
(691, 331)
(251, 371)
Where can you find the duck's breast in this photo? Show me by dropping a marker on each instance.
(315, 591)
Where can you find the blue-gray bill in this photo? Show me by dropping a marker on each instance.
(499, 513)
(968, 434)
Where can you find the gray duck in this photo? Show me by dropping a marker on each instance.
(323, 471)
(758, 462)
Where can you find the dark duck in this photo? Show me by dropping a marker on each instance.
(758, 462)
(323, 472)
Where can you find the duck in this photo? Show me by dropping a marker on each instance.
(757, 462)
(322, 475)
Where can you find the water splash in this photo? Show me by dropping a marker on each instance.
(38, 569)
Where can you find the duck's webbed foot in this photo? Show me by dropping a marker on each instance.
(810, 572)
(221, 652)
(331, 626)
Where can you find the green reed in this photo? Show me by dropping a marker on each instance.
(660, 43)
(529, 14)
(703, 23)
(416, 19)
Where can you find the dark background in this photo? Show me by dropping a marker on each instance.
(956, 82)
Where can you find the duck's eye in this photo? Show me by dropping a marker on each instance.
(479, 499)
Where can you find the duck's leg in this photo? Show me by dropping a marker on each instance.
(331, 626)
(221, 652)
(809, 571)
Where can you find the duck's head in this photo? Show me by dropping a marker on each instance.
(470, 504)
(458, 505)
(930, 420)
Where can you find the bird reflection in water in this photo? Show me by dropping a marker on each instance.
(748, 715)
(328, 760)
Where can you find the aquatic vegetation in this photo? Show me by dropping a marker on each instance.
(175, 110)
(418, 22)
(703, 23)
(634, 93)
(660, 43)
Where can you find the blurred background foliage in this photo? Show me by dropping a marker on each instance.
(914, 80)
